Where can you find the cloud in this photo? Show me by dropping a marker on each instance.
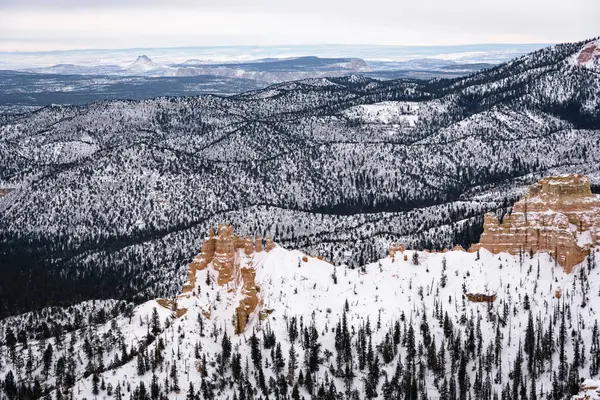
(39, 24)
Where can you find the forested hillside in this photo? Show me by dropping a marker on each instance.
(112, 199)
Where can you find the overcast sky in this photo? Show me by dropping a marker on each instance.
(29, 25)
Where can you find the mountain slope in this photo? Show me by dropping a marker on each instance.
(115, 195)
(404, 323)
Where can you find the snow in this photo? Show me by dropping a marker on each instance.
(385, 290)
(387, 112)
(584, 238)
(590, 390)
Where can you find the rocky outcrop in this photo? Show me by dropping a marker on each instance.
(589, 55)
(559, 215)
(250, 291)
(201, 261)
(270, 244)
(394, 248)
(481, 297)
(228, 259)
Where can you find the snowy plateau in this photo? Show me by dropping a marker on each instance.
(105, 206)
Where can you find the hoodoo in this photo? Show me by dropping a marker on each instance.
(229, 262)
(560, 215)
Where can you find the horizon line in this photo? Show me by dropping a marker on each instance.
(279, 45)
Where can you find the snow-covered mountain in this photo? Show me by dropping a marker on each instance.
(113, 198)
(413, 325)
(143, 65)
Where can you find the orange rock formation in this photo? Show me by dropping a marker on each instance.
(222, 251)
(251, 300)
(269, 245)
(559, 215)
(481, 297)
(395, 248)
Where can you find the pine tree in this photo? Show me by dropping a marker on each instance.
(530, 343)
(293, 329)
(415, 258)
(255, 352)
(444, 391)
(154, 388)
(236, 366)
(155, 323)
(95, 381)
(10, 386)
(141, 365)
(308, 382)
(573, 384)
(411, 350)
(562, 337)
(174, 379)
(118, 392)
(278, 361)
(295, 393)
(463, 378)
(292, 364)
(372, 379)
(226, 347)
(191, 395)
(595, 351)
(47, 360)
(532, 391)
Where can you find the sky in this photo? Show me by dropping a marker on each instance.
(40, 25)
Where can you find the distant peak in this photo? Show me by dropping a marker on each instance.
(143, 63)
(143, 59)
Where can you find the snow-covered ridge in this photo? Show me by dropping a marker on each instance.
(387, 112)
(409, 296)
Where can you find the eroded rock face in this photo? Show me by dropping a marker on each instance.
(589, 54)
(270, 244)
(230, 259)
(201, 261)
(251, 300)
(559, 215)
(394, 248)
